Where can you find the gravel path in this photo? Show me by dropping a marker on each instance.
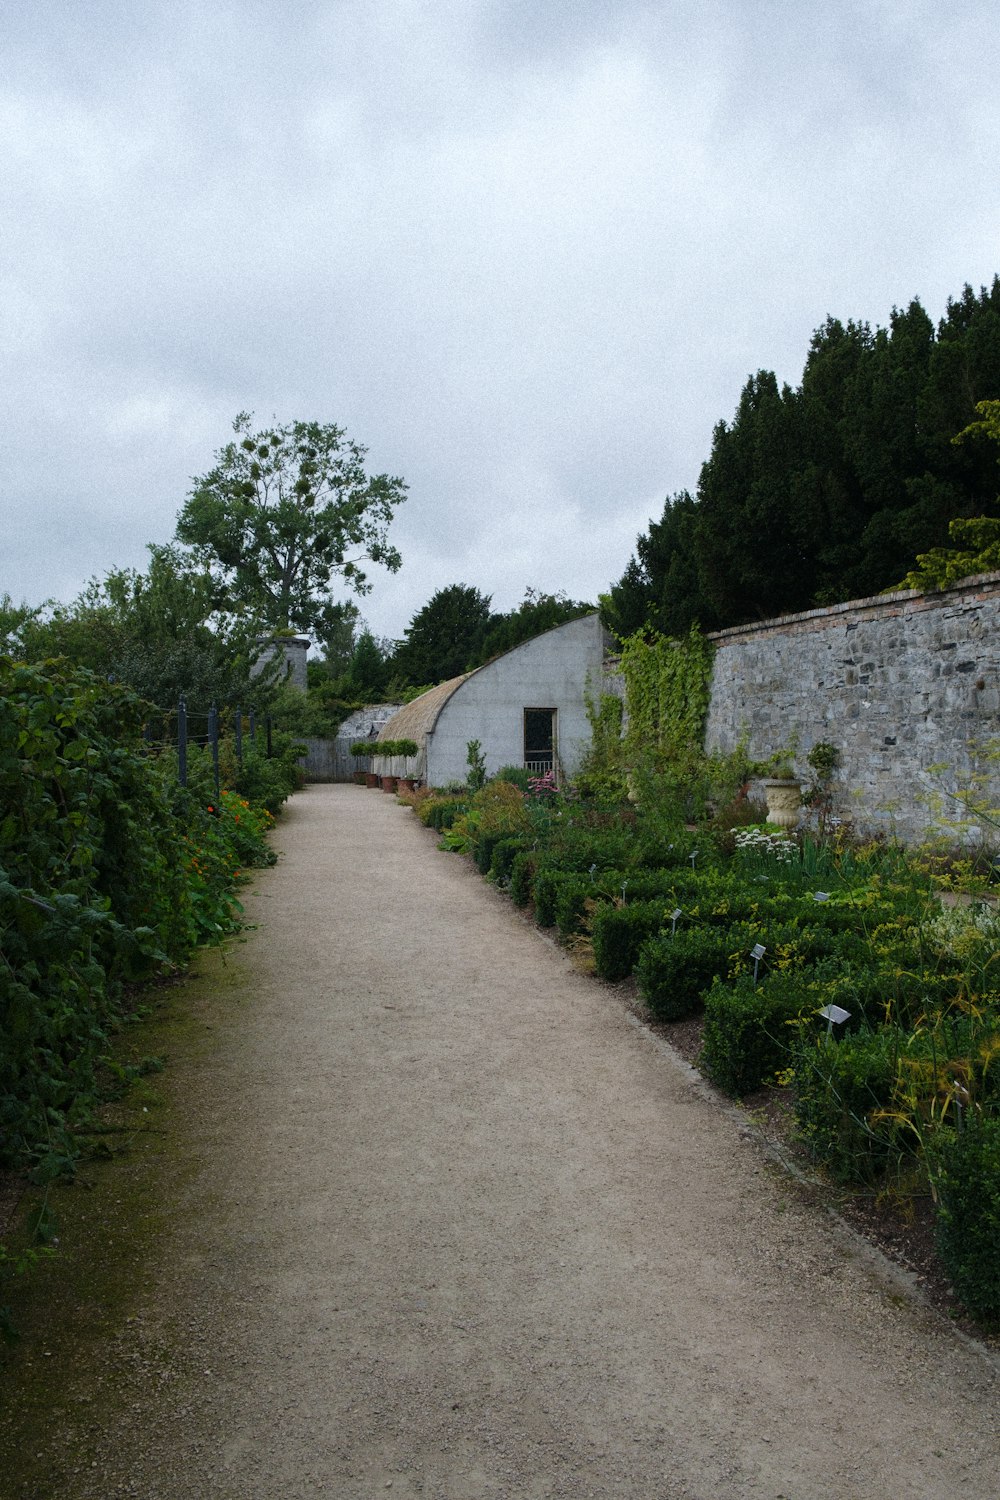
(456, 1227)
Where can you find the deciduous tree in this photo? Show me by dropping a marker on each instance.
(284, 511)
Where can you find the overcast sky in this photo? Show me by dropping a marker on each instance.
(526, 251)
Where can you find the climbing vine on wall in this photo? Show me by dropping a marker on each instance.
(667, 685)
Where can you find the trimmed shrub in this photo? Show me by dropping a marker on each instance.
(522, 876)
(617, 934)
(546, 893)
(675, 970)
(842, 1091)
(967, 1171)
(747, 1036)
(502, 859)
(440, 812)
(572, 896)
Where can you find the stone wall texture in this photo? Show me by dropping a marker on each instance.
(899, 683)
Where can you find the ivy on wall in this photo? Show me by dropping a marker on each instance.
(667, 688)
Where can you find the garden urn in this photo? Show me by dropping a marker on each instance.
(784, 801)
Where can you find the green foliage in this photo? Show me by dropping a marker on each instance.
(267, 780)
(517, 776)
(829, 490)
(602, 774)
(505, 851)
(283, 511)
(967, 1175)
(108, 871)
(975, 549)
(522, 876)
(476, 761)
(844, 1091)
(667, 686)
(441, 810)
(443, 637)
(536, 613)
(394, 749)
(748, 1036)
(675, 970)
(618, 933)
(156, 632)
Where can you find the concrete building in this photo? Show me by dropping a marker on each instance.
(526, 708)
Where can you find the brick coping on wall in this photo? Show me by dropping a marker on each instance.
(979, 586)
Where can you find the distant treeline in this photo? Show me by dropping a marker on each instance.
(828, 491)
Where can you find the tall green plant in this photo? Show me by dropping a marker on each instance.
(667, 686)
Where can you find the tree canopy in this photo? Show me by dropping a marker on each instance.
(284, 511)
(444, 637)
(830, 490)
(153, 631)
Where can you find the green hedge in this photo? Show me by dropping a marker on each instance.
(967, 1172)
(617, 934)
(842, 1089)
(522, 876)
(748, 1037)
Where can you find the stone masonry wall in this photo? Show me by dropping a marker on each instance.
(898, 683)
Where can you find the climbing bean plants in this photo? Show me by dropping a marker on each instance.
(110, 874)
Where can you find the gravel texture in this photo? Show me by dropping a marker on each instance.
(451, 1224)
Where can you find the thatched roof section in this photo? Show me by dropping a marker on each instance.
(415, 720)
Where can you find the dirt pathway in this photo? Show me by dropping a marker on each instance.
(455, 1227)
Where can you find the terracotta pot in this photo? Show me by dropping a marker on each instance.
(389, 783)
(372, 780)
(407, 784)
(784, 802)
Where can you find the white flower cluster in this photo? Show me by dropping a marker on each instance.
(961, 931)
(774, 845)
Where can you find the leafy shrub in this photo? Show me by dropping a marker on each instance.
(545, 889)
(516, 775)
(572, 898)
(967, 1173)
(617, 934)
(844, 1091)
(747, 1036)
(675, 970)
(522, 876)
(505, 851)
(440, 812)
(108, 871)
(269, 780)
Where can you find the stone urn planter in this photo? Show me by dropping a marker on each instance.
(784, 801)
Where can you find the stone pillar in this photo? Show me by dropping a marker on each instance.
(292, 649)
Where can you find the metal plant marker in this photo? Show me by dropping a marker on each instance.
(757, 953)
(821, 895)
(834, 1014)
(673, 920)
(693, 856)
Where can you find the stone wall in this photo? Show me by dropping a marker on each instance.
(898, 683)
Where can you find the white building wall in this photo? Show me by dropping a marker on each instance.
(555, 670)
